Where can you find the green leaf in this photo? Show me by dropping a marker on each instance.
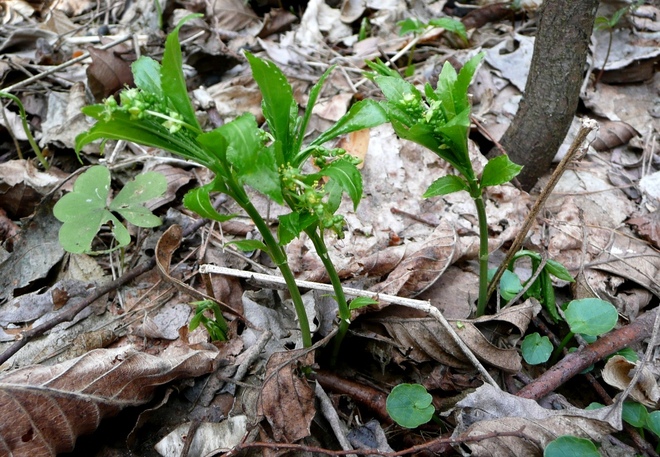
(291, 225)
(143, 188)
(146, 73)
(536, 349)
(499, 170)
(362, 115)
(395, 89)
(510, 285)
(559, 271)
(313, 96)
(249, 245)
(199, 201)
(653, 422)
(411, 25)
(445, 90)
(445, 185)
(278, 105)
(347, 176)
(635, 414)
(381, 69)
(145, 132)
(591, 316)
(84, 210)
(547, 294)
(628, 353)
(172, 79)
(567, 445)
(361, 302)
(460, 89)
(410, 405)
(254, 164)
(451, 25)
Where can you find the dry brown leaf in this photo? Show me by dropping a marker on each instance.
(648, 227)
(107, 73)
(618, 372)
(490, 410)
(491, 338)
(287, 400)
(418, 271)
(612, 134)
(43, 409)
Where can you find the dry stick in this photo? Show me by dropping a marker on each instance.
(576, 362)
(588, 125)
(68, 63)
(424, 306)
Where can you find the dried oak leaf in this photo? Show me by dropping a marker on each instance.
(287, 400)
(43, 409)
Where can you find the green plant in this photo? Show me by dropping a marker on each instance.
(571, 445)
(158, 113)
(26, 129)
(410, 405)
(84, 210)
(536, 349)
(216, 326)
(417, 28)
(609, 24)
(440, 120)
(590, 317)
(541, 287)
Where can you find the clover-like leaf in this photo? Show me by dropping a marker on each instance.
(84, 210)
(410, 405)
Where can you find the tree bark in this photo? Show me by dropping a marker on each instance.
(553, 87)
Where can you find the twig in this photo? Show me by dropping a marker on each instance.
(424, 306)
(578, 146)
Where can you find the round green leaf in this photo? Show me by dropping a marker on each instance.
(410, 405)
(567, 445)
(510, 285)
(653, 422)
(635, 414)
(536, 349)
(591, 316)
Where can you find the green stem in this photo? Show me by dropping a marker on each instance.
(344, 311)
(26, 128)
(279, 257)
(483, 251)
(557, 352)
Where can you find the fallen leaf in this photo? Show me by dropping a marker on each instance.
(107, 73)
(287, 400)
(648, 227)
(618, 372)
(43, 409)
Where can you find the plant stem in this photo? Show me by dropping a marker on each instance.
(557, 352)
(344, 311)
(483, 254)
(278, 256)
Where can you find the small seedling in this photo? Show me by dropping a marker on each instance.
(26, 129)
(590, 317)
(158, 113)
(410, 405)
(417, 27)
(541, 288)
(571, 445)
(216, 326)
(440, 120)
(84, 210)
(536, 349)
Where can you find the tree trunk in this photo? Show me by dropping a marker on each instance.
(553, 87)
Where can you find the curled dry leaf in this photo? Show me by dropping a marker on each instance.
(287, 400)
(43, 409)
(419, 270)
(430, 341)
(489, 410)
(618, 373)
(612, 134)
